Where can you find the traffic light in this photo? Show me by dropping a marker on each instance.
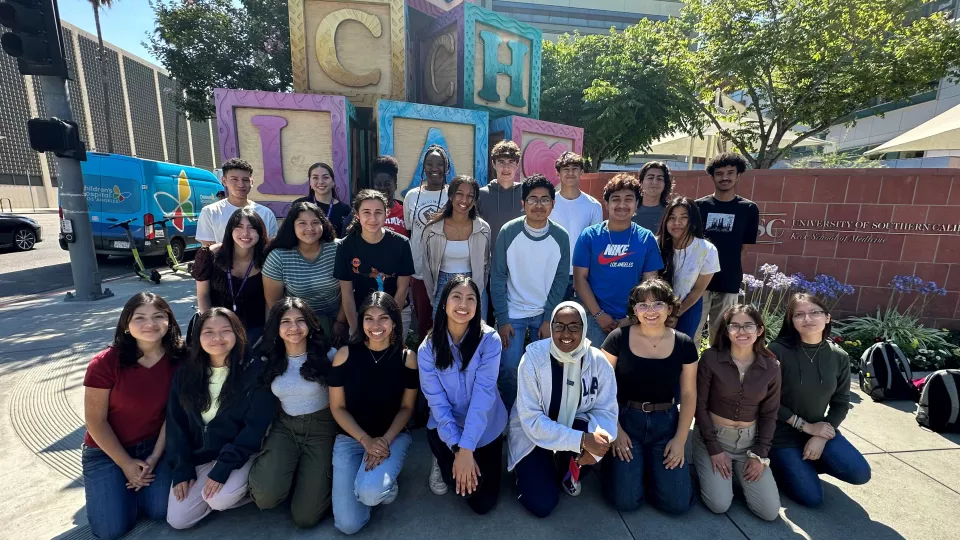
(34, 39)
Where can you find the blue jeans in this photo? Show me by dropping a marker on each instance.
(112, 509)
(624, 482)
(540, 475)
(442, 280)
(356, 490)
(799, 478)
(690, 320)
(510, 357)
(595, 334)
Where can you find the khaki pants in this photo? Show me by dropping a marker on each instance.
(297, 457)
(714, 304)
(194, 507)
(762, 496)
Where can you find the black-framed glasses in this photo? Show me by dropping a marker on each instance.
(750, 328)
(542, 201)
(573, 328)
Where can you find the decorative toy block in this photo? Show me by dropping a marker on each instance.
(540, 142)
(405, 130)
(354, 48)
(436, 8)
(281, 135)
(477, 59)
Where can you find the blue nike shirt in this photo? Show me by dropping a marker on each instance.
(616, 261)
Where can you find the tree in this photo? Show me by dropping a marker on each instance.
(97, 5)
(808, 64)
(621, 87)
(207, 44)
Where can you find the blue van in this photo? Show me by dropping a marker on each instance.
(121, 187)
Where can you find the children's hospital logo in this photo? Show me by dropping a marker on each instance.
(179, 207)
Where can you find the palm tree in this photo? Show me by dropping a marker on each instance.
(97, 5)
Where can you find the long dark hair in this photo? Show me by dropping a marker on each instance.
(287, 235)
(224, 257)
(333, 177)
(667, 182)
(721, 341)
(443, 356)
(788, 332)
(365, 195)
(382, 300)
(665, 241)
(126, 345)
(194, 375)
(273, 351)
(452, 188)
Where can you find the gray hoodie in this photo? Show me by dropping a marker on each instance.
(498, 206)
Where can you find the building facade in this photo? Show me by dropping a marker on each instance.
(558, 17)
(143, 119)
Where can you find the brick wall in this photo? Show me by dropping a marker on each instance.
(879, 223)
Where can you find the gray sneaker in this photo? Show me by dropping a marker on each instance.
(437, 485)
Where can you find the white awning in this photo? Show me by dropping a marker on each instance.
(941, 132)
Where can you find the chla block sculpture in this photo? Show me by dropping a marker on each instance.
(406, 130)
(436, 8)
(281, 135)
(474, 58)
(541, 143)
(353, 48)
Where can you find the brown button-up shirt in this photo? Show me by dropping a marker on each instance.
(755, 399)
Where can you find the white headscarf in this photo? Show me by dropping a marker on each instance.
(571, 361)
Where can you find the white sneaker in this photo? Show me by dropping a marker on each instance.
(437, 485)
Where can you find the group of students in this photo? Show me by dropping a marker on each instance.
(296, 382)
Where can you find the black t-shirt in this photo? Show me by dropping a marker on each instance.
(729, 225)
(373, 267)
(339, 216)
(556, 393)
(653, 380)
(374, 389)
(248, 296)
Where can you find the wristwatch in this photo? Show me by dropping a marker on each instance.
(455, 448)
(765, 461)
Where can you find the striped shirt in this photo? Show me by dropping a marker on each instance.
(311, 281)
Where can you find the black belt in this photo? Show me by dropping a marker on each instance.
(648, 407)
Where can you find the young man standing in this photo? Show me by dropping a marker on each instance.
(730, 222)
(574, 210)
(385, 170)
(611, 257)
(655, 188)
(528, 279)
(237, 184)
(499, 201)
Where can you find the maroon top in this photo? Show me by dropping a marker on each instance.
(756, 399)
(138, 396)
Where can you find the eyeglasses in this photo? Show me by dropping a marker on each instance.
(573, 328)
(749, 328)
(542, 201)
(813, 315)
(656, 306)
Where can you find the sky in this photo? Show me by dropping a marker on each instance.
(126, 24)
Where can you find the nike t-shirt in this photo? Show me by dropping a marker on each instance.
(616, 261)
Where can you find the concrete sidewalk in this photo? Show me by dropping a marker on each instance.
(45, 345)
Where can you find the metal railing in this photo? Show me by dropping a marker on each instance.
(9, 204)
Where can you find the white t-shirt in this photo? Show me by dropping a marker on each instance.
(697, 259)
(214, 217)
(575, 216)
(419, 205)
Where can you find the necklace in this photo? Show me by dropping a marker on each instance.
(662, 336)
(375, 359)
(809, 357)
(742, 370)
(610, 238)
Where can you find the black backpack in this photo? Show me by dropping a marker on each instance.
(939, 403)
(885, 373)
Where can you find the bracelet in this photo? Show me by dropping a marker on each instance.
(764, 461)
(598, 313)
(798, 423)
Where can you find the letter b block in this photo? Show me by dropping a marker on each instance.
(477, 59)
(353, 48)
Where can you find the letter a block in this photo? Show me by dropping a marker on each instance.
(353, 48)
(281, 135)
(541, 143)
(477, 59)
(406, 130)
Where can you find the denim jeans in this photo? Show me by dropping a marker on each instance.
(112, 509)
(690, 320)
(540, 475)
(799, 478)
(356, 490)
(442, 280)
(595, 334)
(510, 357)
(624, 482)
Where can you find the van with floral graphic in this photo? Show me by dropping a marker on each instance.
(120, 187)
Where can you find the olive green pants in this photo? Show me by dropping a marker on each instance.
(297, 461)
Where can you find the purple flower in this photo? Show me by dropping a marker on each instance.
(768, 269)
(751, 283)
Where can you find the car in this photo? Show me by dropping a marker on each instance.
(19, 232)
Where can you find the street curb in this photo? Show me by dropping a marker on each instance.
(45, 294)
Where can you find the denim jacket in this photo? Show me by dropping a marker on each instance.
(465, 405)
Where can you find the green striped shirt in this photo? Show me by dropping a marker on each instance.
(311, 281)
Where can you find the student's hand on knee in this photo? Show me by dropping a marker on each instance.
(180, 490)
(372, 462)
(506, 334)
(466, 472)
(673, 454)
(721, 465)
(753, 470)
(622, 447)
(211, 488)
(814, 448)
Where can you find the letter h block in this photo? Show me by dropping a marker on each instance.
(353, 48)
(474, 58)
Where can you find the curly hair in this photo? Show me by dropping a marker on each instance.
(569, 159)
(505, 150)
(537, 181)
(387, 165)
(658, 289)
(727, 159)
(620, 182)
(236, 164)
(667, 182)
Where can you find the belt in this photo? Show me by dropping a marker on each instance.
(648, 407)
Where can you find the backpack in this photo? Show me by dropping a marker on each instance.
(885, 373)
(939, 408)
